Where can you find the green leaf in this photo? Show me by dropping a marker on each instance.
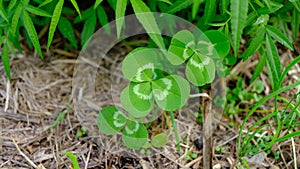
(88, 28)
(296, 4)
(97, 3)
(15, 18)
(74, 3)
(171, 92)
(37, 11)
(66, 29)
(255, 43)
(209, 11)
(45, 3)
(195, 7)
(135, 135)
(178, 5)
(6, 60)
(200, 70)
(295, 23)
(120, 12)
(181, 47)
(102, 17)
(59, 118)
(11, 5)
(27, 22)
(273, 61)
(3, 13)
(214, 44)
(239, 9)
(159, 140)
(140, 65)
(85, 15)
(111, 120)
(73, 159)
(259, 67)
(147, 19)
(54, 21)
(137, 99)
(279, 36)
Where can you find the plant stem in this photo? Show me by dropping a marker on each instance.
(175, 130)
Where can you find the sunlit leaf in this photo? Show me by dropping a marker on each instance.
(73, 159)
(54, 21)
(279, 36)
(97, 3)
(111, 120)
(66, 29)
(200, 70)
(137, 99)
(11, 5)
(3, 13)
(74, 3)
(195, 7)
(171, 92)
(15, 18)
(178, 5)
(120, 12)
(37, 11)
(135, 135)
(45, 3)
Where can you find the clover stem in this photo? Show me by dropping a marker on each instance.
(175, 130)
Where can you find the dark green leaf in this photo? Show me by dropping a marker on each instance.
(279, 36)
(102, 17)
(74, 3)
(54, 21)
(66, 29)
(37, 11)
(239, 9)
(6, 60)
(178, 6)
(195, 7)
(27, 22)
(295, 23)
(171, 92)
(111, 120)
(15, 18)
(135, 135)
(97, 3)
(11, 5)
(259, 68)
(88, 28)
(120, 12)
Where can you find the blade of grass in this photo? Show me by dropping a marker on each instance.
(97, 3)
(120, 12)
(175, 130)
(178, 6)
(6, 60)
(73, 159)
(45, 3)
(195, 8)
(11, 5)
(74, 3)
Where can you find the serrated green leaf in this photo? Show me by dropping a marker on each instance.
(279, 36)
(37, 11)
(111, 120)
(239, 9)
(148, 21)
(259, 68)
(135, 135)
(11, 5)
(295, 24)
(15, 18)
(88, 28)
(120, 12)
(159, 140)
(181, 47)
(6, 60)
(97, 3)
(273, 61)
(200, 70)
(255, 43)
(171, 92)
(29, 27)
(54, 21)
(45, 3)
(3, 13)
(137, 99)
(214, 44)
(66, 29)
(140, 65)
(73, 159)
(74, 3)
(195, 7)
(178, 5)
(103, 19)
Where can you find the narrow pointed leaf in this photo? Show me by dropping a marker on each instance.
(200, 70)
(74, 3)
(209, 11)
(178, 6)
(11, 5)
(3, 13)
(273, 61)
(171, 92)
(254, 44)
(259, 68)
(181, 47)
(66, 29)
(140, 65)
(195, 7)
(27, 22)
(137, 99)
(15, 18)
(148, 21)
(120, 12)
(6, 60)
(214, 44)
(54, 21)
(295, 23)
(135, 135)
(103, 19)
(279, 36)
(73, 159)
(88, 28)
(239, 9)
(97, 3)
(111, 120)
(37, 11)
(45, 3)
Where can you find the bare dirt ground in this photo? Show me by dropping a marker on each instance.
(40, 90)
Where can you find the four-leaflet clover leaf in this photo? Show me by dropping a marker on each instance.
(149, 84)
(199, 54)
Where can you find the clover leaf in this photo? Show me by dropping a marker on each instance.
(150, 83)
(111, 121)
(200, 69)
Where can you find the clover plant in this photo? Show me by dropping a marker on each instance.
(152, 84)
